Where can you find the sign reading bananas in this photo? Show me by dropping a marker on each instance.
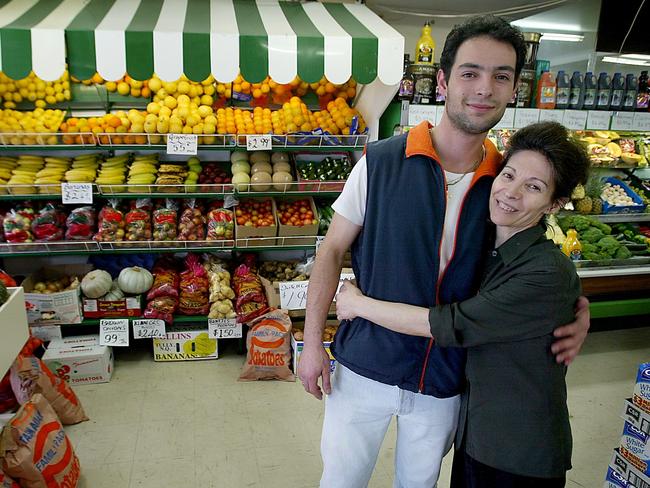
(77, 193)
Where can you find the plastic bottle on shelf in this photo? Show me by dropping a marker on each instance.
(424, 49)
(643, 95)
(563, 90)
(618, 92)
(546, 91)
(604, 97)
(591, 91)
(577, 95)
(571, 246)
(406, 84)
(631, 86)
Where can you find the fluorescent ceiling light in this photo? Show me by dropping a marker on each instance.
(622, 60)
(542, 26)
(636, 56)
(553, 36)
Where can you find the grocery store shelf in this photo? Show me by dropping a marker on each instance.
(619, 308)
(605, 271)
(614, 218)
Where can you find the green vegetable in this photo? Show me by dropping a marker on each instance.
(622, 253)
(592, 235)
(608, 245)
(589, 248)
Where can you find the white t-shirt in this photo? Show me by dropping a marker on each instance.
(351, 204)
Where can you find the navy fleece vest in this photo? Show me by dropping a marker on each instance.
(396, 258)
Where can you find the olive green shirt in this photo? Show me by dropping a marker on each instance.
(514, 415)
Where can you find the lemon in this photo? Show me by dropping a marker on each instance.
(183, 87)
(166, 111)
(171, 87)
(155, 84)
(205, 110)
(153, 108)
(170, 102)
(123, 88)
(111, 86)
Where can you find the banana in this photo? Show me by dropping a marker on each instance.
(44, 173)
(114, 164)
(85, 164)
(29, 157)
(21, 172)
(57, 160)
(5, 173)
(142, 171)
(140, 179)
(47, 181)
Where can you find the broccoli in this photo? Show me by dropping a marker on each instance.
(581, 223)
(622, 253)
(608, 245)
(592, 256)
(588, 247)
(592, 235)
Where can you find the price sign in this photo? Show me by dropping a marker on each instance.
(419, 113)
(77, 192)
(508, 120)
(293, 295)
(598, 119)
(183, 144)
(224, 329)
(149, 329)
(114, 332)
(575, 119)
(623, 121)
(526, 116)
(259, 142)
(551, 116)
(642, 122)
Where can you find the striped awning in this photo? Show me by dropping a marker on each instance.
(281, 39)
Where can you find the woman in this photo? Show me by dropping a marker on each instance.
(514, 424)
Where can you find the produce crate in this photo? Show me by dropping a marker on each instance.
(303, 160)
(304, 230)
(245, 235)
(15, 331)
(95, 308)
(637, 208)
(297, 347)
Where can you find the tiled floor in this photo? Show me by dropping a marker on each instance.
(192, 424)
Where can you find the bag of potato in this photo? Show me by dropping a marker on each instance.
(35, 450)
(269, 348)
(30, 375)
(6, 481)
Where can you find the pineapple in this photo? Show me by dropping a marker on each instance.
(584, 205)
(593, 190)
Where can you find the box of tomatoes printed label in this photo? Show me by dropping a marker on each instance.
(256, 222)
(297, 217)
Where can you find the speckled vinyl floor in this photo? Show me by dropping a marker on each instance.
(190, 424)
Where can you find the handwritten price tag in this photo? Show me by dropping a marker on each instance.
(149, 329)
(224, 329)
(114, 332)
(259, 143)
(551, 116)
(623, 121)
(526, 116)
(183, 144)
(642, 122)
(598, 119)
(419, 113)
(508, 120)
(575, 119)
(77, 192)
(293, 295)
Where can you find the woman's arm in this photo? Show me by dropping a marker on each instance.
(399, 317)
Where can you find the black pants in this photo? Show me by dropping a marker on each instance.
(469, 473)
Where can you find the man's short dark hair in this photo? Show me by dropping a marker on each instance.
(484, 26)
(568, 158)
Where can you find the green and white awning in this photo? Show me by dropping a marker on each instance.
(281, 39)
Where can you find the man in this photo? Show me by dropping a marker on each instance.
(415, 213)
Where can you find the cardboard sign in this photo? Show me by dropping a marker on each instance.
(259, 142)
(149, 329)
(293, 295)
(114, 332)
(77, 193)
(224, 329)
(182, 144)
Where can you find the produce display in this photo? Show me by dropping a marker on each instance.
(221, 293)
(32, 124)
(281, 271)
(221, 224)
(609, 148)
(262, 170)
(250, 299)
(194, 297)
(33, 90)
(191, 224)
(329, 169)
(608, 196)
(255, 213)
(296, 213)
(616, 195)
(65, 283)
(328, 333)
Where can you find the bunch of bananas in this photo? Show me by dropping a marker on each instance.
(143, 171)
(24, 174)
(113, 173)
(83, 170)
(7, 164)
(52, 174)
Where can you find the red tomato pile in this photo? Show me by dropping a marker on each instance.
(255, 213)
(296, 213)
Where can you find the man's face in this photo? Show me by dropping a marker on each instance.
(480, 84)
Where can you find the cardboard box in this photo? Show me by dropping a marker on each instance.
(292, 231)
(627, 470)
(94, 308)
(63, 307)
(635, 447)
(185, 345)
(80, 360)
(244, 234)
(614, 479)
(641, 394)
(636, 416)
(272, 289)
(297, 346)
(15, 330)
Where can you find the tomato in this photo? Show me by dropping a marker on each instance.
(307, 221)
(238, 212)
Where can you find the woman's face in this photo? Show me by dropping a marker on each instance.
(522, 193)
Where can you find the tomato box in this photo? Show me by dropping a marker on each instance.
(291, 228)
(185, 345)
(246, 231)
(80, 360)
(95, 308)
(297, 346)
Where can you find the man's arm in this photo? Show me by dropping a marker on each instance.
(323, 282)
(572, 336)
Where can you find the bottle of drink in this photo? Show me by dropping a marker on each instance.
(604, 91)
(577, 96)
(571, 246)
(643, 95)
(563, 90)
(546, 91)
(618, 92)
(406, 84)
(591, 89)
(425, 47)
(631, 86)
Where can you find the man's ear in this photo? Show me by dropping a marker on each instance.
(442, 83)
(557, 205)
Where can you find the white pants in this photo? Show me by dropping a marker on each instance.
(357, 414)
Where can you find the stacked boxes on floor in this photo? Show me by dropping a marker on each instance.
(630, 465)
